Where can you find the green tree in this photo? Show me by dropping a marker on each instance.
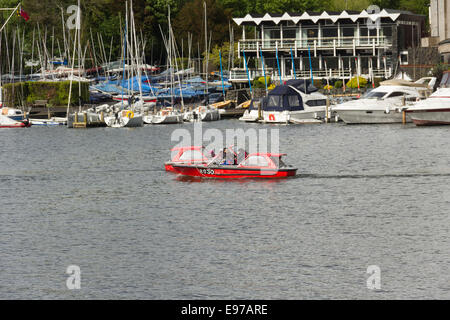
(214, 56)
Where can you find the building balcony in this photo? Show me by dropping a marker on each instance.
(314, 44)
(239, 75)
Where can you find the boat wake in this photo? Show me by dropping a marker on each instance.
(373, 176)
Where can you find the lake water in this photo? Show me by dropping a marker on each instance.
(100, 199)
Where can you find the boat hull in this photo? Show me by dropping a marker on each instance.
(169, 119)
(233, 172)
(371, 117)
(431, 117)
(249, 116)
(124, 122)
(10, 126)
(6, 122)
(312, 114)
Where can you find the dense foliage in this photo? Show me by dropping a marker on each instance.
(56, 93)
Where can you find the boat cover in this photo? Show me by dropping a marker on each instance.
(300, 84)
(283, 98)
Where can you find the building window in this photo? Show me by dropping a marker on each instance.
(348, 32)
(289, 33)
(308, 36)
(329, 34)
(289, 36)
(387, 31)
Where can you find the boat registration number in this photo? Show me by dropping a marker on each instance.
(206, 171)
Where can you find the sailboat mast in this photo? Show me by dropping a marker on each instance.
(206, 55)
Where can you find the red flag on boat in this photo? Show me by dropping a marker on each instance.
(23, 14)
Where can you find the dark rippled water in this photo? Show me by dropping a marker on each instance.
(100, 199)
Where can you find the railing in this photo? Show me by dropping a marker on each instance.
(240, 75)
(319, 43)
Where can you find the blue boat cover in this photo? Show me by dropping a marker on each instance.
(283, 98)
(301, 84)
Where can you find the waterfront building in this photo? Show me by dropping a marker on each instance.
(439, 28)
(335, 44)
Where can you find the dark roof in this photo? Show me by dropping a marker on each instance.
(398, 11)
(257, 15)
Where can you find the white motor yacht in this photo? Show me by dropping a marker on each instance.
(384, 104)
(436, 109)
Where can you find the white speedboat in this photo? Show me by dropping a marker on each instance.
(124, 119)
(167, 116)
(384, 104)
(202, 113)
(295, 102)
(433, 111)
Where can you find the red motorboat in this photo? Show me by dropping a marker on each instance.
(6, 122)
(187, 155)
(255, 165)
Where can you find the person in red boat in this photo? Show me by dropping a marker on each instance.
(224, 156)
(241, 155)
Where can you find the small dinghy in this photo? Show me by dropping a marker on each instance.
(190, 161)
